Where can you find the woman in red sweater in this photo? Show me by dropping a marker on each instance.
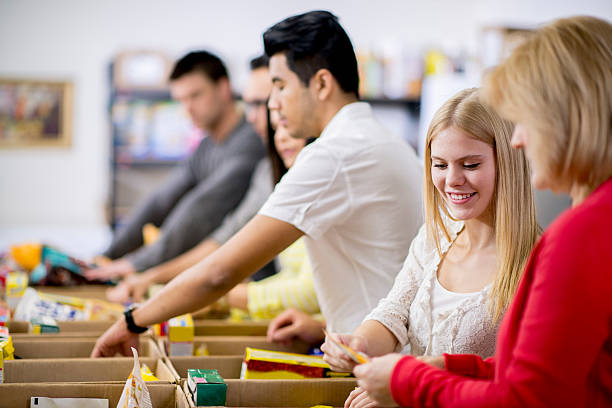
(554, 346)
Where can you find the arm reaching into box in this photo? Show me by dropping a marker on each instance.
(251, 248)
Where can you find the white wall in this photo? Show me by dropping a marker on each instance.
(76, 39)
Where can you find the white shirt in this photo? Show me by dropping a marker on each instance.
(424, 325)
(356, 194)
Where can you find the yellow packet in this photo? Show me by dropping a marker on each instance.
(146, 373)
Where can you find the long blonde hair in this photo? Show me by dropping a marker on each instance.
(516, 228)
(559, 85)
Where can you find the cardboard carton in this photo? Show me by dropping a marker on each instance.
(72, 348)
(227, 328)
(227, 366)
(66, 329)
(236, 345)
(18, 395)
(96, 370)
(285, 393)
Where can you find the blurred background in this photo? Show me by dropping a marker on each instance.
(124, 132)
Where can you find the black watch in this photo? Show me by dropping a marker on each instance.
(131, 326)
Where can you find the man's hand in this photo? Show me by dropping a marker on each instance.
(134, 287)
(116, 269)
(337, 360)
(117, 339)
(294, 324)
(374, 377)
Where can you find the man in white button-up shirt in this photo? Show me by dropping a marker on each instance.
(355, 193)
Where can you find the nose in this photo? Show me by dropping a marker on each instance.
(518, 137)
(273, 102)
(455, 176)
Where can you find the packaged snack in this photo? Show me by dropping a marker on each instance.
(207, 387)
(16, 284)
(31, 305)
(146, 373)
(59, 269)
(6, 353)
(135, 393)
(44, 402)
(43, 325)
(180, 335)
(265, 364)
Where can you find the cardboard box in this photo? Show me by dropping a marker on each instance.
(207, 387)
(226, 328)
(72, 348)
(285, 393)
(67, 329)
(83, 291)
(236, 345)
(227, 366)
(116, 369)
(267, 364)
(18, 395)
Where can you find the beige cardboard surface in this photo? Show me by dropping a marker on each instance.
(83, 291)
(213, 327)
(228, 366)
(72, 348)
(81, 370)
(72, 329)
(235, 345)
(18, 395)
(285, 393)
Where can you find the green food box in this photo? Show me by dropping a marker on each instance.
(207, 386)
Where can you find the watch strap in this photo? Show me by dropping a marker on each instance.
(131, 326)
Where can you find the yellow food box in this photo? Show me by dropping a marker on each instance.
(266, 364)
(16, 284)
(180, 328)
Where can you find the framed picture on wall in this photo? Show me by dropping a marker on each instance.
(35, 113)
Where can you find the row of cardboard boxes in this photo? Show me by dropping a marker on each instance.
(59, 367)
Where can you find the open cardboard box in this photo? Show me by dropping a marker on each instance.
(235, 345)
(72, 348)
(81, 291)
(116, 369)
(212, 327)
(227, 366)
(67, 329)
(18, 395)
(285, 393)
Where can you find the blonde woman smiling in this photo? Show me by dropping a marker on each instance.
(465, 263)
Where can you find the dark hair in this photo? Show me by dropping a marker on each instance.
(261, 61)
(278, 166)
(313, 41)
(200, 61)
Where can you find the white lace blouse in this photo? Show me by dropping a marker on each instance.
(407, 310)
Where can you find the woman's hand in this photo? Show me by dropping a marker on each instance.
(374, 377)
(335, 357)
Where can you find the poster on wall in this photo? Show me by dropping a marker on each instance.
(35, 113)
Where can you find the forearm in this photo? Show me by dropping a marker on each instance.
(167, 271)
(254, 246)
(378, 338)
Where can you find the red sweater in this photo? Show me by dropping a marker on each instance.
(554, 346)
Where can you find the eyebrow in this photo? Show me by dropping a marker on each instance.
(468, 157)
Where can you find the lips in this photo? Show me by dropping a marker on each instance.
(460, 197)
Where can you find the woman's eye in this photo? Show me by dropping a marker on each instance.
(471, 166)
(439, 166)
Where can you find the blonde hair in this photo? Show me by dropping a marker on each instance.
(516, 228)
(559, 85)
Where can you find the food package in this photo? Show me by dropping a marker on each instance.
(43, 325)
(16, 284)
(266, 364)
(44, 402)
(32, 305)
(207, 387)
(135, 393)
(146, 373)
(181, 332)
